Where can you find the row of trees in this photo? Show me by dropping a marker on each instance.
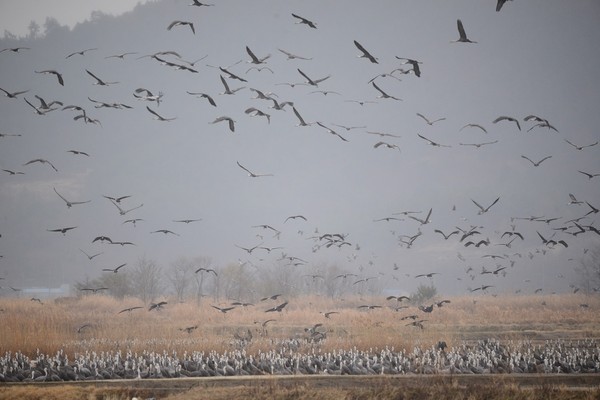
(196, 278)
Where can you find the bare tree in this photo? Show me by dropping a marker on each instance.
(146, 279)
(180, 276)
(589, 270)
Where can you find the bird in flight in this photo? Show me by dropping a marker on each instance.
(223, 310)
(93, 290)
(157, 116)
(388, 145)
(90, 257)
(303, 20)
(474, 126)
(431, 142)
(11, 172)
(81, 52)
(78, 152)
(165, 231)
(384, 95)
(313, 82)
(41, 160)
(114, 270)
(428, 121)
(590, 176)
(499, 5)
(446, 237)
(581, 147)
(13, 95)
(278, 308)
(228, 119)
(70, 203)
(187, 221)
(122, 55)
(254, 59)
(14, 49)
(483, 210)
(199, 4)
(254, 112)
(211, 101)
(478, 145)
(157, 306)
(250, 173)
(302, 122)
(462, 34)
(99, 81)
(181, 23)
(365, 53)
(52, 72)
(428, 275)
(116, 199)
(123, 212)
(227, 89)
(208, 270)
(332, 131)
(414, 63)
(536, 164)
(62, 230)
(505, 118)
(291, 56)
(422, 221)
(129, 309)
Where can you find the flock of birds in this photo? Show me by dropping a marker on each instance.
(481, 357)
(553, 232)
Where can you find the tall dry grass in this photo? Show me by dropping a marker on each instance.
(27, 326)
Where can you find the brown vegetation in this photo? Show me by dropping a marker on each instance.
(29, 326)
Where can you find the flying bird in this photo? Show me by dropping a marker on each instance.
(122, 211)
(99, 81)
(303, 20)
(428, 121)
(232, 75)
(181, 23)
(227, 89)
(446, 237)
(207, 270)
(250, 173)
(302, 122)
(384, 95)
(422, 221)
(223, 310)
(62, 230)
(462, 34)
(187, 221)
(431, 142)
(278, 308)
(536, 164)
(589, 175)
(41, 160)
(157, 306)
(483, 210)
(13, 95)
(199, 4)
(158, 117)
(70, 203)
(14, 49)
(414, 63)
(478, 145)
(165, 231)
(499, 5)
(102, 239)
(291, 56)
(81, 52)
(52, 72)
(11, 172)
(78, 153)
(228, 119)
(313, 82)
(211, 101)
(385, 144)
(254, 112)
(332, 131)
(365, 53)
(114, 270)
(116, 199)
(130, 309)
(428, 275)
(90, 257)
(505, 118)
(254, 59)
(474, 126)
(581, 147)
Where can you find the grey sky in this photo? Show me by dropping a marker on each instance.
(186, 168)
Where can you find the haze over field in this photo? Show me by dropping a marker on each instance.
(533, 57)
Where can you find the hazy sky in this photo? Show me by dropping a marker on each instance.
(187, 168)
(16, 15)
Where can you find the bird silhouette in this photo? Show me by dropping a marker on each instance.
(70, 203)
(536, 163)
(230, 121)
(250, 173)
(428, 121)
(305, 21)
(462, 34)
(114, 270)
(181, 23)
(365, 53)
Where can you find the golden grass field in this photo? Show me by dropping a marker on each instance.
(28, 326)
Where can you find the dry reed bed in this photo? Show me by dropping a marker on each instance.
(28, 326)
